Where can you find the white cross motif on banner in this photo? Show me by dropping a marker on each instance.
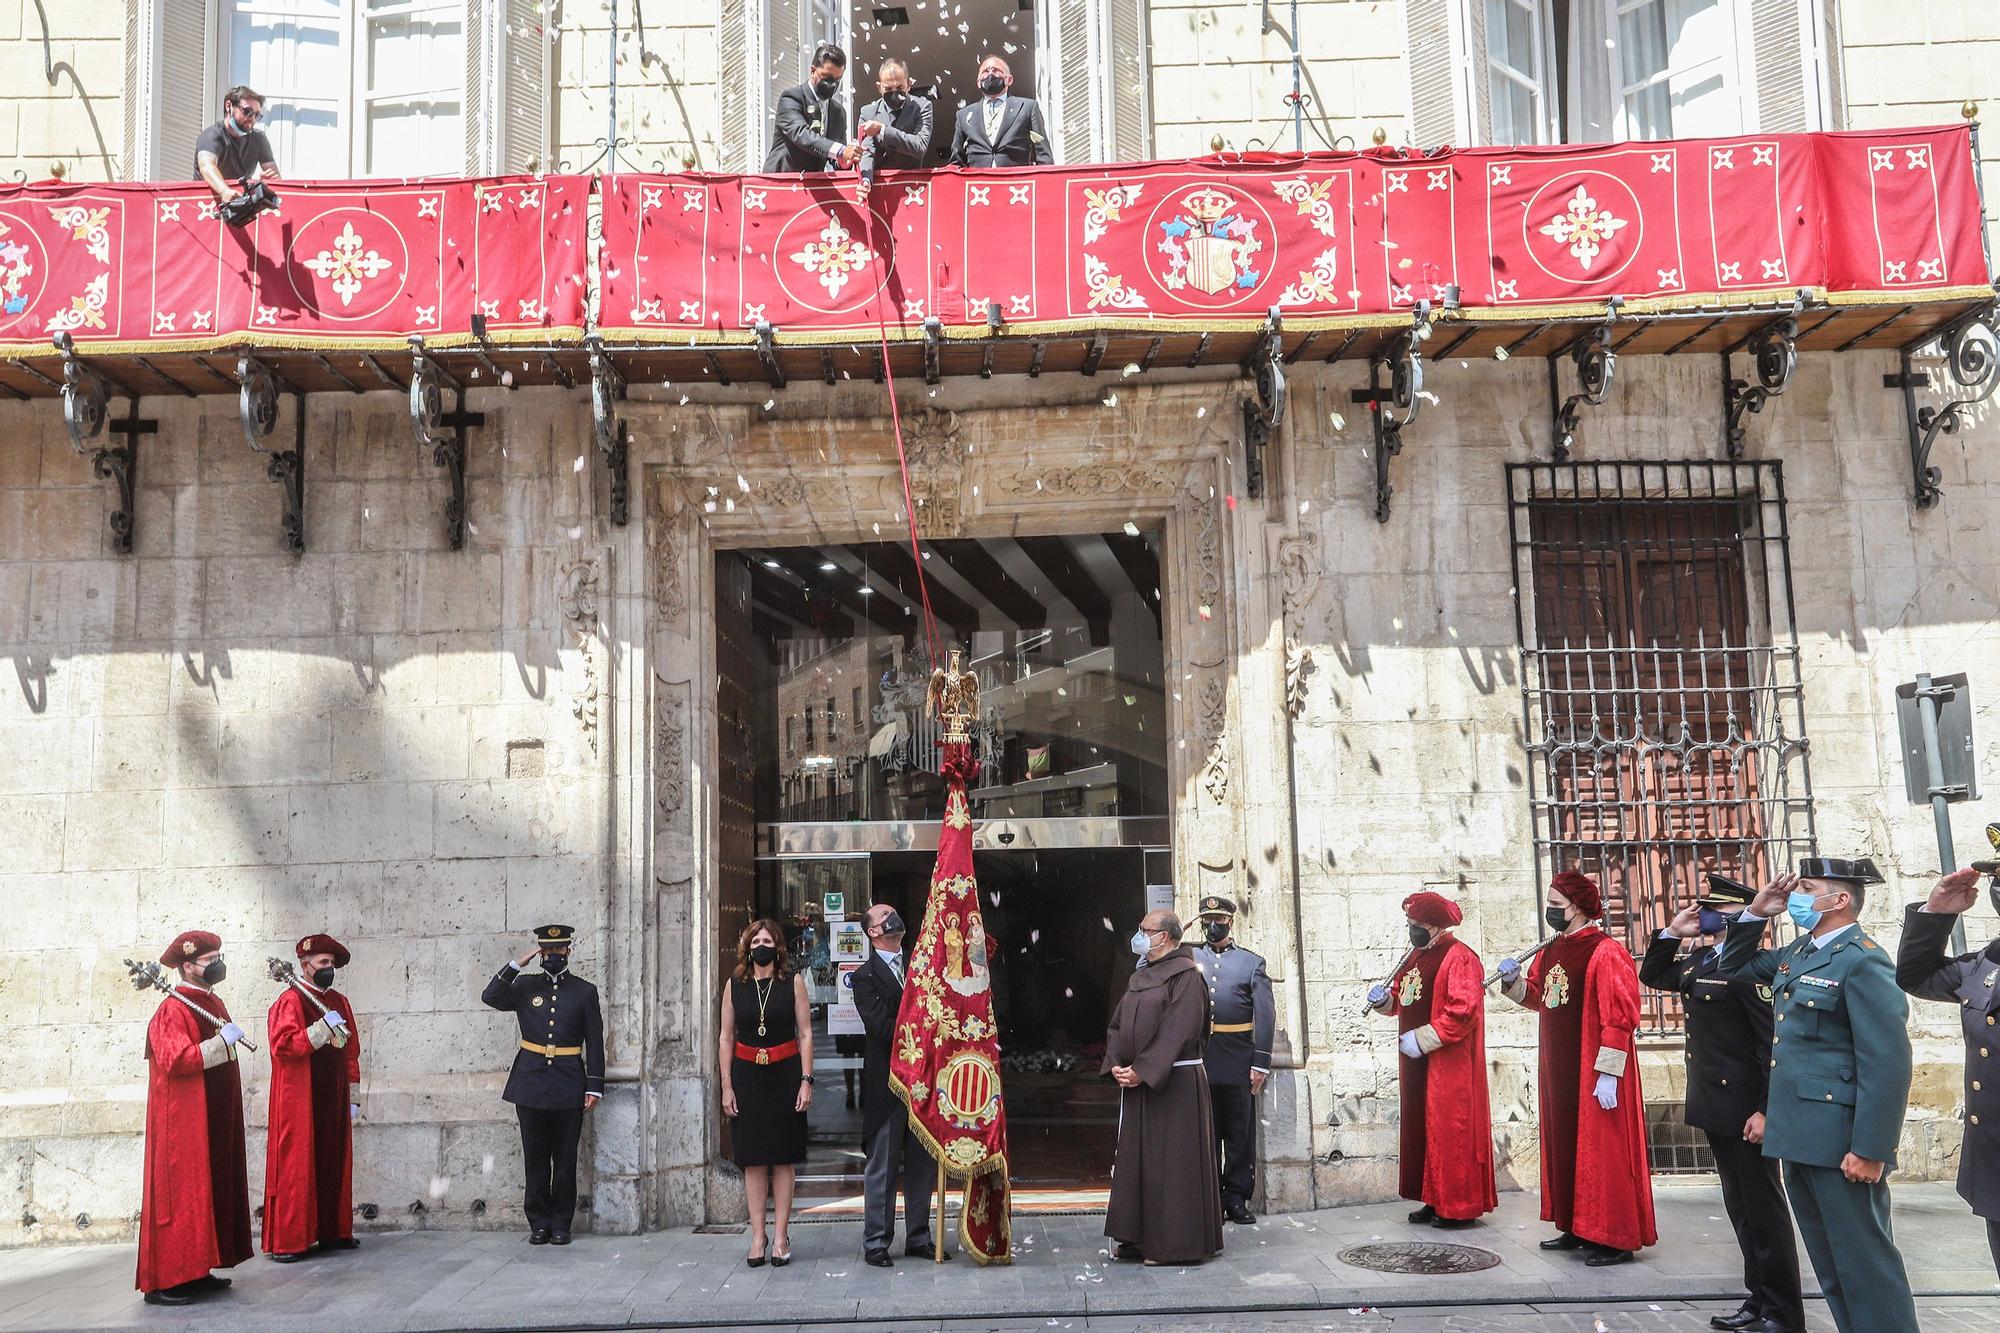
(755, 199)
(1019, 305)
(427, 314)
(427, 207)
(1398, 294)
(913, 194)
(170, 212)
(531, 309)
(1732, 272)
(1896, 270)
(347, 265)
(1583, 227)
(1662, 162)
(1764, 155)
(1017, 194)
(1437, 180)
(834, 258)
(203, 319)
(209, 211)
(266, 315)
(980, 193)
(1509, 289)
(651, 198)
(528, 199)
(1917, 157)
(655, 309)
(1773, 268)
(690, 311)
(693, 201)
(1394, 182)
(491, 202)
(163, 322)
(490, 309)
(753, 313)
(913, 309)
(1882, 159)
(1502, 175)
(1723, 159)
(1930, 268)
(1669, 277)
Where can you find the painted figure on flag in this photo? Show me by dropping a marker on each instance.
(946, 1064)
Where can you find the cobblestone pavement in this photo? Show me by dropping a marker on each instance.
(1284, 1273)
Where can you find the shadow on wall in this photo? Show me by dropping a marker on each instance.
(51, 68)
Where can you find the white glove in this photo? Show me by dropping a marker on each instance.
(1378, 995)
(335, 1020)
(231, 1034)
(1607, 1091)
(1407, 1044)
(1509, 970)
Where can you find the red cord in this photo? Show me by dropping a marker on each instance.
(903, 463)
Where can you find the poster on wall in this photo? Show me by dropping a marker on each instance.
(1159, 897)
(835, 904)
(850, 945)
(842, 1018)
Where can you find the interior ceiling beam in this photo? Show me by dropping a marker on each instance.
(975, 564)
(1069, 577)
(895, 564)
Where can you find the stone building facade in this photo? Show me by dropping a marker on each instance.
(427, 751)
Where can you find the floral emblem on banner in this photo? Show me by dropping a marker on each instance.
(1409, 987)
(87, 225)
(86, 311)
(347, 264)
(1210, 243)
(1107, 288)
(835, 257)
(16, 267)
(1103, 208)
(1313, 200)
(1583, 227)
(1315, 286)
(1555, 988)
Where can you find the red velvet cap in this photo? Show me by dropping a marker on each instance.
(190, 945)
(1581, 890)
(313, 944)
(1433, 910)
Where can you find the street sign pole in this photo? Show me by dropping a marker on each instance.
(1927, 695)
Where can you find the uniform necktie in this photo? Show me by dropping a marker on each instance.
(993, 110)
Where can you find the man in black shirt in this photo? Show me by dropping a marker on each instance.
(233, 151)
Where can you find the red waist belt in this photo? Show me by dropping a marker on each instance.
(764, 1055)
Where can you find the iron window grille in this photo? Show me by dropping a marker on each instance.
(1660, 684)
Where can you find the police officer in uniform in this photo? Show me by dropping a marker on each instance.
(1729, 1027)
(558, 1074)
(1238, 1057)
(1972, 982)
(1840, 1083)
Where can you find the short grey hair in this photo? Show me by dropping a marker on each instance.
(889, 64)
(1170, 925)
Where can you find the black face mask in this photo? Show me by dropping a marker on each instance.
(554, 962)
(892, 924)
(1557, 917)
(993, 85)
(764, 955)
(826, 87)
(896, 99)
(1419, 935)
(214, 972)
(1218, 931)
(323, 977)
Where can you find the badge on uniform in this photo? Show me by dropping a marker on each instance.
(537, 1002)
(1991, 977)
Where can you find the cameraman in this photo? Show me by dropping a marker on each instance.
(232, 153)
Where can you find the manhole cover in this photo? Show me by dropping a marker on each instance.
(1420, 1256)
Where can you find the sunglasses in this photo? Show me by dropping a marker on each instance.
(247, 114)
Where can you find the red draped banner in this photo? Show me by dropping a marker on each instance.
(946, 1061)
(1328, 238)
(153, 268)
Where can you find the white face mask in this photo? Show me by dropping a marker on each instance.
(1141, 946)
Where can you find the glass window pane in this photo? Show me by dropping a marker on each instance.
(416, 53)
(1514, 50)
(292, 55)
(416, 139)
(1514, 112)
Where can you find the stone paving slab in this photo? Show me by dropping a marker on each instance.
(1285, 1273)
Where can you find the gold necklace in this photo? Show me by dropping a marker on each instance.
(763, 999)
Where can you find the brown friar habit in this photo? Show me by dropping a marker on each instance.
(1165, 1197)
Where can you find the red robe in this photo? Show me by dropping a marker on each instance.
(1441, 996)
(195, 1214)
(309, 1160)
(1595, 1181)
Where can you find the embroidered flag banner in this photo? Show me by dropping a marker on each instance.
(1328, 238)
(153, 268)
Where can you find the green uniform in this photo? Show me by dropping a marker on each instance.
(1840, 1081)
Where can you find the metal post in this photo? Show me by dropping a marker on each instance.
(611, 136)
(1934, 779)
(939, 1231)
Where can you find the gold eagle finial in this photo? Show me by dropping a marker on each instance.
(954, 696)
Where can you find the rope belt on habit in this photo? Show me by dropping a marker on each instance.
(764, 1055)
(1179, 1063)
(551, 1051)
(1229, 1027)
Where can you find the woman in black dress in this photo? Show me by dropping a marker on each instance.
(767, 1079)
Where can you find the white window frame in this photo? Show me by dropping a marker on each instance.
(1724, 60)
(1548, 111)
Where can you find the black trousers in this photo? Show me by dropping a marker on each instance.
(1993, 1240)
(1753, 1194)
(1235, 1141)
(548, 1149)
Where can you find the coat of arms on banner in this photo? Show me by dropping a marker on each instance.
(17, 266)
(1209, 238)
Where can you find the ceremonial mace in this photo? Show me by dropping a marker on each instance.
(285, 974)
(1524, 956)
(1366, 1008)
(149, 976)
(1990, 867)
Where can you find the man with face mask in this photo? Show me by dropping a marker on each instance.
(1242, 1023)
(558, 1074)
(1840, 1083)
(999, 130)
(195, 1214)
(893, 1148)
(1972, 982)
(810, 129)
(1728, 1052)
(315, 1067)
(1166, 1201)
(1595, 1184)
(895, 130)
(1439, 999)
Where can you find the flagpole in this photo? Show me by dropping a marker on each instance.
(937, 1236)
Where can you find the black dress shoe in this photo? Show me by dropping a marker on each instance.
(538, 1236)
(559, 1238)
(1562, 1241)
(924, 1252)
(779, 1260)
(170, 1296)
(878, 1259)
(1603, 1256)
(1424, 1214)
(1454, 1223)
(1743, 1318)
(1128, 1252)
(1241, 1215)
(344, 1243)
(208, 1282)
(1763, 1325)
(286, 1258)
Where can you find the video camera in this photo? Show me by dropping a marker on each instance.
(257, 199)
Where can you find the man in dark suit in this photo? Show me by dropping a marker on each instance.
(558, 1074)
(999, 130)
(1972, 981)
(895, 130)
(810, 133)
(893, 1147)
(1729, 1028)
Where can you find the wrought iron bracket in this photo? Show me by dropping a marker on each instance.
(1596, 365)
(1774, 354)
(288, 469)
(767, 353)
(607, 390)
(1971, 346)
(1394, 405)
(441, 432)
(933, 344)
(257, 409)
(1263, 414)
(85, 413)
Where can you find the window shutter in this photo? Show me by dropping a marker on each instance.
(171, 94)
(1129, 77)
(1071, 123)
(742, 110)
(784, 66)
(1448, 75)
(523, 49)
(1779, 79)
(481, 87)
(137, 125)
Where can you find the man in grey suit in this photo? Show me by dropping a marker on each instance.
(999, 130)
(895, 130)
(810, 129)
(893, 1147)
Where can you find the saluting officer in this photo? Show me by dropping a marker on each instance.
(558, 1074)
(1729, 1028)
(1840, 1083)
(1238, 1058)
(1972, 980)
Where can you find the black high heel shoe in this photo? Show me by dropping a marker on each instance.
(780, 1260)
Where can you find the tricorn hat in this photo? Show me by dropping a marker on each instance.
(313, 944)
(1724, 892)
(190, 945)
(1861, 870)
(1214, 904)
(546, 936)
